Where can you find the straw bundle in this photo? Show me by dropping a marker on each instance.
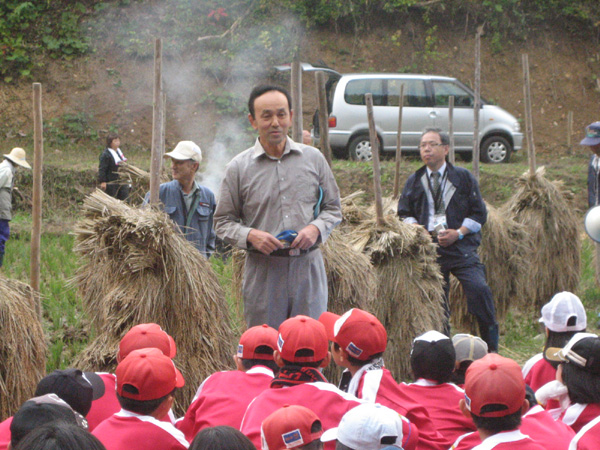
(136, 268)
(543, 208)
(138, 179)
(505, 249)
(22, 346)
(410, 294)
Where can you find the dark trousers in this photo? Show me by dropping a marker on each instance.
(471, 274)
(4, 233)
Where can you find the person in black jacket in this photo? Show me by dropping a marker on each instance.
(110, 159)
(446, 201)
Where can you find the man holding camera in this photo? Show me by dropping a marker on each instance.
(446, 201)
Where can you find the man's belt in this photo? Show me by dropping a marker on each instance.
(287, 252)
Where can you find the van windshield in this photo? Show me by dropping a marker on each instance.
(386, 92)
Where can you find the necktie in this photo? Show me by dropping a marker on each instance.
(436, 193)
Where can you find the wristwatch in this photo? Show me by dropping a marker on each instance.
(460, 235)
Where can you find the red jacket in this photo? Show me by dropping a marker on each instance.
(537, 372)
(378, 386)
(126, 430)
(441, 402)
(588, 437)
(214, 403)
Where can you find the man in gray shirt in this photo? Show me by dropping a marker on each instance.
(279, 201)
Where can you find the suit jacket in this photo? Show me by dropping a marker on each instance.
(462, 199)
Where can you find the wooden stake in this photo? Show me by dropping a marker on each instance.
(451, 155)
(323, 116)
(528, 118)
(477, 105)
(399, 143)
(375, 153)
(570, 131)
(297, 99)
(157, 124)
(36, 228)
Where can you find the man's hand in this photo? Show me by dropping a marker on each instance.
(103, 186)
(263, 242)
(306, 238)
(447, 237)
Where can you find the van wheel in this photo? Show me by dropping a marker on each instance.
(495, 149)
(359, 148)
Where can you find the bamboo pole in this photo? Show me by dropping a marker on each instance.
(451, 153)
(376, 165)
(399, 143)
(157, 124)
(477, 105)
(528, 118)
(36, 228)
(323, 116)
(297, 99)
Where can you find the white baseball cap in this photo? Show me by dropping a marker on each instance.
(563, 306)
(369, 426)
(185, 150)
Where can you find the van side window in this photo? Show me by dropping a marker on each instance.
(356, 90)
(443, 90)
(414, 93)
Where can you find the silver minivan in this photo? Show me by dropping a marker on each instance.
(425, 105)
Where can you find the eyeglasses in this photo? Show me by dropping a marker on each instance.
(431, 144)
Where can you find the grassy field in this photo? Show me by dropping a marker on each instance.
(68, 329)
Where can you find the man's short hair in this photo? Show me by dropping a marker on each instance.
(441, 133)
(263, 89)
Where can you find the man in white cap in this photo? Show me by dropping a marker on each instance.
(188, 204)
(8, 167)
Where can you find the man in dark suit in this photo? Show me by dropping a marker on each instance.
(446, 201)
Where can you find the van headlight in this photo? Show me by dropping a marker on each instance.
(516, 125)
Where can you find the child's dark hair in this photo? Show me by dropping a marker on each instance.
(583, 386)
(497, 424)
(304, 352)
(143, 407)
(433, 360)
(357, 362)
(261, 350)
(557, 339)
(221, 438)
(458, 376)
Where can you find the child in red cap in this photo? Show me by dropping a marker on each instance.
(495, 400)
(301, 351)
(292, 427)
(214, 403)
(144, 335)
(359, 340)
(146, 383)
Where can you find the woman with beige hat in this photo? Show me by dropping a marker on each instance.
(15, 158)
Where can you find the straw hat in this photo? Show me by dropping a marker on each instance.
(17, 155)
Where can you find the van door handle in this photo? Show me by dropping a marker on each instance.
(432, 114)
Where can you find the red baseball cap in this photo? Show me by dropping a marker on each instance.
(358, 332)
(496, 382)
(152, 374)
(289, 427)
(146, 335)
(302, 333)
(261, 335)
